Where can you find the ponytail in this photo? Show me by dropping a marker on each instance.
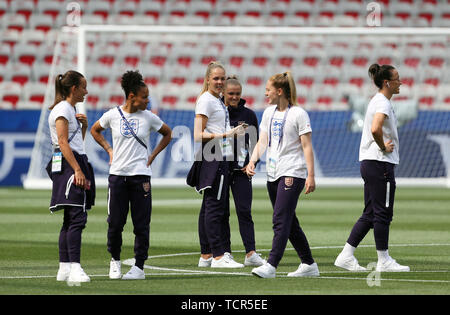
(63, 84)
(380, 73)
(285, 81)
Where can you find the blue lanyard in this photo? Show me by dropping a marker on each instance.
(227, 117)
(281, 128)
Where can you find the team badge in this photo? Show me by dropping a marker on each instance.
(288, 181)
(146, 186)
(125, 131)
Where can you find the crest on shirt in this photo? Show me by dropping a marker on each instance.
(288, 181)
(125, 130)
(146, 186)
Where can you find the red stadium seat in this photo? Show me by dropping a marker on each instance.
(11, 93)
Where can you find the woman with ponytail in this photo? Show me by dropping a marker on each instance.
(72, 175)
(378, 154)
(285, 132)
(210, 171)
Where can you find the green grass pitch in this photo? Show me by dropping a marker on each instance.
(420, 238)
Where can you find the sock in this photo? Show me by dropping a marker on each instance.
(383, 255)
(64, 265)
(348, 250)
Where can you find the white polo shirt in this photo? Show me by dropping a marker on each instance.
(285, 158)
(64, 109)
(369, 149)
(129, 156)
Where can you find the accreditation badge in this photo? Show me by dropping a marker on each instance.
(57, 162)
(226, 147)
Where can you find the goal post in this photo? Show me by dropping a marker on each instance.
(336, 126)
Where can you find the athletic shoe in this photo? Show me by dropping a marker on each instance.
(225, 262)
(264, 271)
(305, 270)
(115, 269)
(254, 260)
(204, 262)
(63, 271)
(77, 274)
(348, 262)
(391, 265)
(135, 273)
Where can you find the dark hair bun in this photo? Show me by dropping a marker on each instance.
(131, 81)
(380, 73)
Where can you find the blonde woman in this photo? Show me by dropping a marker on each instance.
(285, 132)
(212, 130)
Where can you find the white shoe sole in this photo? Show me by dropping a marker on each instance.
(260, 274)
(343, 265)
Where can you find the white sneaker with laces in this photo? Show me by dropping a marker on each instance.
(115, 269)
(348, 262)
(265, 271)
(390, 265)
(254, 260)
(225, 262)
(77, 274)
(135, 273)
(305, 270)
(204, 262)
(63, 271)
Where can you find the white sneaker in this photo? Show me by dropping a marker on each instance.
(115, 269)
(77, 274)
(135, 273)
(305, 270)
(225, 262)
(265, 271)
(204, 262)
(63, 271)
(391, 265)
(348, 262)
(254, 260)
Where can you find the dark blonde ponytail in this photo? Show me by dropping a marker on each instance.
(285, 81)
(63, 83)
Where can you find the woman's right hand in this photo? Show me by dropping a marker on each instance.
(79, 178)
(250, 169)
(236, 131)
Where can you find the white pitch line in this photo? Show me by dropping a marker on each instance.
(281, 274)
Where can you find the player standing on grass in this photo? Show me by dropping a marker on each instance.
(72, 175)
(210, 172)
(240, 184)
(378, 154)
(285, 132)
(129, 180)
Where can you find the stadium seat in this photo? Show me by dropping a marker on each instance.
(50, 8)
(99, 74)
(128, 7)
(5, 54)
(156, 54)
(11, 93)
(21, 74)
(151, 8)
(24, 8)
(304, 9)
(114, 95)
(202, 9)
(129, 55)
(40, 72)
(40, 22)
(34, 92)
(230, 9)
(426, 94)
(95, 97)
(151, 73)
(12, 21)
(102, 8)
(25, 54)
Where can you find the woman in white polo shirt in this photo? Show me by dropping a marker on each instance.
(378, 154)
(129, 185)
(285, 131)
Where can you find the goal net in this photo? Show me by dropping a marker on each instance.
(330, 69)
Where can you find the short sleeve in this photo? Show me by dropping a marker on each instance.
(63, 111)
(202, 107)
(303, 123)
(105, 120)
(155, 122)
(381, 106)
(264, 125)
